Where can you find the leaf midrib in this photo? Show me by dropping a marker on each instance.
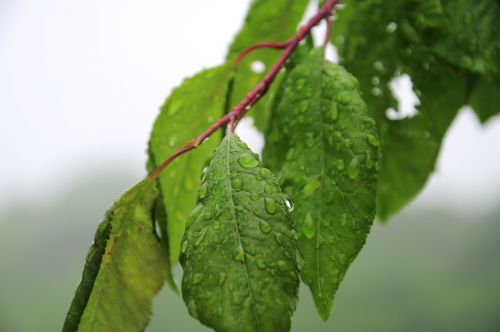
(235, 223)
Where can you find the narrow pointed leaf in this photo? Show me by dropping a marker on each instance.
(239, 253)
(90, 271)
(188, 112)
(327, 153)
(266, 21)
(131, 268)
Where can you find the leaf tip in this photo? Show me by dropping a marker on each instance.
(324, 306)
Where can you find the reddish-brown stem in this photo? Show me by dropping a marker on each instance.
(231, 119)
(247, 51)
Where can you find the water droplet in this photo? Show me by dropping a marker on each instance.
(222, 278)
(279, 238)
(184, 246)
(216, 225)
(353, 169)
(254, 196)
(303, 106)
(340, 164)
(197, 278)
(311, 186)
(260, 264)
(379, 66)
(265, 227)
(270, 205)
(369, 163)
(248, 160)
(268, 189)
(258, 67)
(201, 237)
(239, 254)
(343, 219)
(334, 112)
(299, 260)
(289, 203)
(391, 27)
(310, 142)
(376, 91)
(308, 228)
(375, 80)
(265, 172)
(202, 192)
(172, 142)
(373, 141)
(282, 265)
(237, 184)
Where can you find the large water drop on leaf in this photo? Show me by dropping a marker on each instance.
(248, 160)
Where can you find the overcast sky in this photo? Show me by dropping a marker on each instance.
(81, 83)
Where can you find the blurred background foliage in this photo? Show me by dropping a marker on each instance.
(427, 270)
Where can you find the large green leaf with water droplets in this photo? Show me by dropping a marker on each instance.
(441, 45)
(239, 253)
(266, 21)
(125, 268)
(188, 112)
(325, 147)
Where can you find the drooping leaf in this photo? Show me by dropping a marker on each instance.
(266, 21)
(92, 264)
(126, 267)
(325, 147)
(435, 43)
(485, 99)
(239, 253)
(188, 112)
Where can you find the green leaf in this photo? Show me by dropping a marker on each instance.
(440, 45)
(239, 253)
(326, 148)
(125, 268)
(188, 112)
(468, 35)
(92, 264)
(485, 100)
(266, 21)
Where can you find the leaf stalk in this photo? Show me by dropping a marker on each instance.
(232, 118)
